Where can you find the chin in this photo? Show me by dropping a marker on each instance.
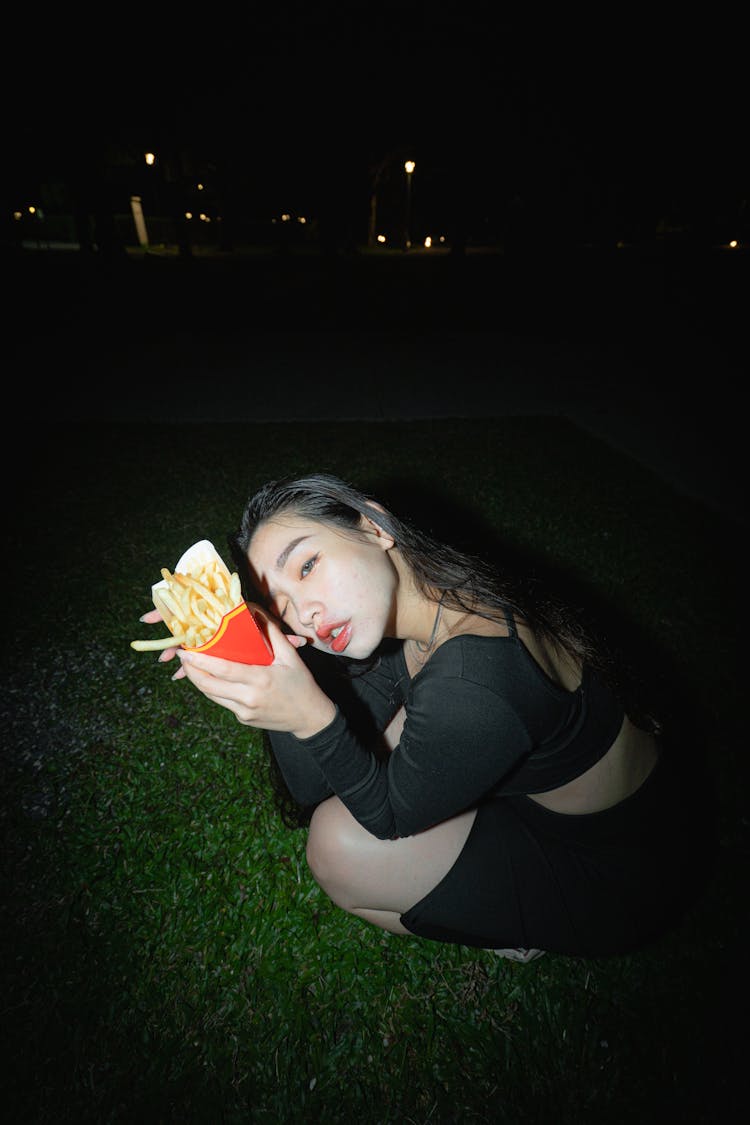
(361, 648)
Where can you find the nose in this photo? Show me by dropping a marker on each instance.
(307, 612)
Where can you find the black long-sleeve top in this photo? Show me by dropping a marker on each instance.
(482, 720)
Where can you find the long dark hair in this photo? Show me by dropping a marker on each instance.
(441, 572)
(460, 580)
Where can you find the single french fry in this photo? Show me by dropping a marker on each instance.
(163, 642)
(170, 603)
(183, 596)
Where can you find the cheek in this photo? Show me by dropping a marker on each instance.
(357, 585)
(376, 584)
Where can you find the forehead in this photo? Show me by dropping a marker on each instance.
(273, 542)
(280, 530)
(276, 537)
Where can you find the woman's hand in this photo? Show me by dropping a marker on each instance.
(280, 696)
(152, 618)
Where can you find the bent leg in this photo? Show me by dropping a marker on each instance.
(378, 880)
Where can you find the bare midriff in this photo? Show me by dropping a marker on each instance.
(617, 775)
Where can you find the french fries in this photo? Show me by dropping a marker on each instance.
(193, 599)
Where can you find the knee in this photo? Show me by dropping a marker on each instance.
(331, 847)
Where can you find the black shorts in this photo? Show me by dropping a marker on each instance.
(583, 885)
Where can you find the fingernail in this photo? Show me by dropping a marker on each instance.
(142, 618)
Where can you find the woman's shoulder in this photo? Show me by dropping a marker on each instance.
(483, 656)
(465, 653)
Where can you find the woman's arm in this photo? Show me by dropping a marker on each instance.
(367, 698)
(458, 741)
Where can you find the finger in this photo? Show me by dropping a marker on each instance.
(216, 666)
(281, 642)
(272, 624)
(295, 641)
(151, 617)
(265, 616)
(224, 692)
(231, 705)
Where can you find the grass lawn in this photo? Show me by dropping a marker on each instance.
(166, 955)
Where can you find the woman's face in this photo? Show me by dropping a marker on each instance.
(336, 588)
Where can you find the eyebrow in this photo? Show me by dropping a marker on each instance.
(281, 560)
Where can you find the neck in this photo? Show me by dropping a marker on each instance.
(416, 615)
(428, 647)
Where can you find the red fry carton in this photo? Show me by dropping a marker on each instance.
(239, 636)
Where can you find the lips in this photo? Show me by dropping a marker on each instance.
(339, 642)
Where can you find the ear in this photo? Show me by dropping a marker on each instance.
(384, 538)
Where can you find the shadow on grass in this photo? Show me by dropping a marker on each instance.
(127, 995)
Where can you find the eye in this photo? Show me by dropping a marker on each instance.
(277, 611)
(307, 566)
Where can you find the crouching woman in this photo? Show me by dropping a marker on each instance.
(463, 760)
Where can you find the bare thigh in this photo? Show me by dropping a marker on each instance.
(362, 873)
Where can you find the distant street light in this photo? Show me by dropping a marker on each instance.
(408, 168)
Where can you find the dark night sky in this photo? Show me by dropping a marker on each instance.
(315, 95)
(566, 109)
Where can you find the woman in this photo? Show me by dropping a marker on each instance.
(469, 773)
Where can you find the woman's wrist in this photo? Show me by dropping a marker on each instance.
(317, 721)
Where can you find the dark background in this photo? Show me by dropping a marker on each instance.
(541, 142)
(598, 163)
(584, 122)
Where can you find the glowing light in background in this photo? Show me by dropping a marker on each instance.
(409, 167)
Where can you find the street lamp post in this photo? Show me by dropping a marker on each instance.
(138, 219)
(408, 168)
